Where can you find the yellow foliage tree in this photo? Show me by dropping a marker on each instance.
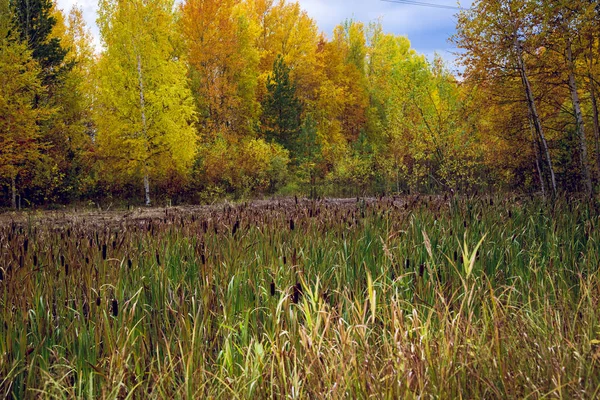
(19, 84)
(145, 109)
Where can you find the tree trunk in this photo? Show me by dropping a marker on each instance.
(144, 130)
(583, 154)
(147, 188)
(596, 122)
(535, 146)
(13, 187)
(537, 124)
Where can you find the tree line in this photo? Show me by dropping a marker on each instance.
(207, 98)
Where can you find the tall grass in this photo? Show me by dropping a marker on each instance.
(389, 298)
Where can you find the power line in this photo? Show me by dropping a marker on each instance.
(423, 4)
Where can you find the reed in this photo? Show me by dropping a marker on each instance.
(388, 298)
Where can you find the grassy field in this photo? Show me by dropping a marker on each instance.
(384, 298)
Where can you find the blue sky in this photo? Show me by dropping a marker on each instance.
(427, 28)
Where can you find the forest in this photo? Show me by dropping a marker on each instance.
(206, 99)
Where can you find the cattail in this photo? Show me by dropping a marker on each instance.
(235, 227)
(98, 301)
(1, 274)
(465, 223)
(66, 269)
(421, 270)
(21, 261)
(35, 260)
(297, 292)
(455, 255)
(114, 244)
(272, 288)
(291, 224)
(325, 295)
(62, 260)
(203, 259)
(87, 260)
(284, 260)
(104, 251)
(86, 309)
(115, 308)
(407, 263)
(129, 263)
(25, 245)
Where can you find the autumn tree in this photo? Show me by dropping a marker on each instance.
(285, 30)
(563, 31)
(19, 85)
(145, 108)
(497, 37)
(219, 39)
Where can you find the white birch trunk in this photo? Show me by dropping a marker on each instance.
(534, 114)
(144, 130)
(583, 154)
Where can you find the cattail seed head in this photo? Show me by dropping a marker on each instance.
(272, 288)
(297, 292)
(86, 309)
(104, 251)
(115, 308)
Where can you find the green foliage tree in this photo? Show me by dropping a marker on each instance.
(282, 111)
(35, 22)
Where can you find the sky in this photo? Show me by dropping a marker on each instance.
(427, 28)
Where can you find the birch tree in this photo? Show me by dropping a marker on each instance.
(145, 108)
(497, 35)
